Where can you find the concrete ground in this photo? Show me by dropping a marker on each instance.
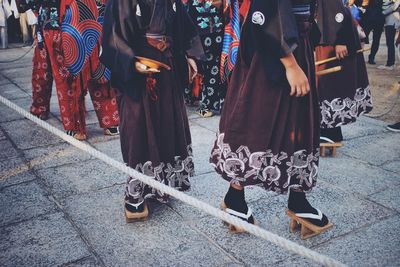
(61, 207)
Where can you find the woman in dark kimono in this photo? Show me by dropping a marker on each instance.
(344, 95)
(208, 18)
(269, 129)
(155, 136)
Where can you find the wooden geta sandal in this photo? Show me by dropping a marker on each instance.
(307, 229)
(137, 216)
(232, 228)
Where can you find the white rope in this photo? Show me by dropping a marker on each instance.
(250, 228)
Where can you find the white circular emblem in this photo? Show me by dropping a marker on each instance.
(339, 17)
(258, 18)
(174, 7)
(138, 11)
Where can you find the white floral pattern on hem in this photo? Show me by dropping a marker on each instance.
(339, 112)
(276, 172)
(175, 174)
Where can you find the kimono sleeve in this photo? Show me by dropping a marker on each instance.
(331, 17)
(274, 27)
(119, 30)
(189, 36)
(336, 24)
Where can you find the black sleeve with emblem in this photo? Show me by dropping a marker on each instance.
(273, 33)
(273, 26)
(119, 32)
(336, 24)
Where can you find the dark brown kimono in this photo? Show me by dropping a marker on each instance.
(344, 95)
(155, 135)
(266, 137)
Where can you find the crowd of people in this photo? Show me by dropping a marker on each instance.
(285, 76)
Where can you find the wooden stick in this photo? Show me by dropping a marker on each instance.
(329, 71)
(335, 58)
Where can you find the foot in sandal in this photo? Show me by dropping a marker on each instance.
(136, 212)
(235, 204)
(311, 220)
(77, 135)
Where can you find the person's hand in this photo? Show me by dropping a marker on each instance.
(143, 69)
(341, 51)
(193, 71)
(298, 81)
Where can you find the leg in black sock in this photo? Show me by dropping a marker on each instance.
(298, 204)
(334, 134)
(235, 200)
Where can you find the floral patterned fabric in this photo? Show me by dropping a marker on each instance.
(49, 14)
(210, 26)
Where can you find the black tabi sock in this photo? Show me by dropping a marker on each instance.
(235, 200)
(135, 208)
(298, 203)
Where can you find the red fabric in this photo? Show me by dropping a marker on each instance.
(105, 104)
(63, 6)
(244, 8)
(48, 64)
(197, 85)
(42, 81)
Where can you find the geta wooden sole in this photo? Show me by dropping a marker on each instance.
(307, 229)
(233, 229)
(131, 217)
(324, 147)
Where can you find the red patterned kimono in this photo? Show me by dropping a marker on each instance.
(49, 62)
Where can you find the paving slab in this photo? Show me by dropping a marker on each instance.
(111, 148)
(211, 124)
(2, 136)
(163, 240)
(347, 212)
(374, 149)
(54, 155)
(350, 174)
(4, 80)
(7, 150)
(7, 114)
(389, 198)
(85, 262)
(26, 134)
(21, 64)
(23, 202)
(96, 134)
(14, 171)
(91, 117)
(376, 245)
(12, 92)
(202, 141)
(393, 166)
(26, 87)
(18, 75)
(211, 188)
(80, 178)
(296, 261)
(362, 127)
(45, 241)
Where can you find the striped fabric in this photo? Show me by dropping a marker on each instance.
(302, 10)
(231, 40)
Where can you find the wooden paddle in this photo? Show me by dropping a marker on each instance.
(329, 71)
(335, 58)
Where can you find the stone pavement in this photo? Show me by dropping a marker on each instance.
(61, 207)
